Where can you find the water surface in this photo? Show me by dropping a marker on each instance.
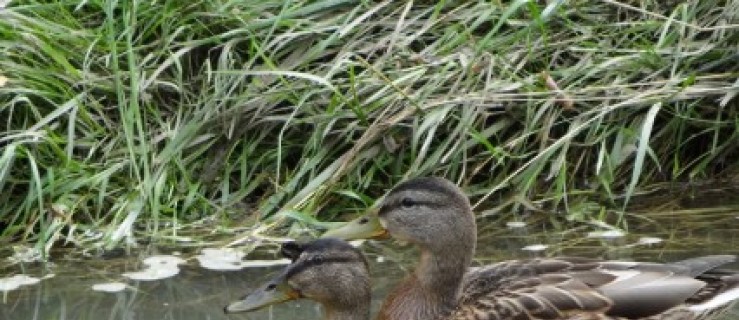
(197, 293)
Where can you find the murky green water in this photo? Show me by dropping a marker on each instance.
(201, 294)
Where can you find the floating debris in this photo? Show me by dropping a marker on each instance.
(380, 259)
(16, 281)
(609, 234)
(226, 259)
(649, 240)
(151, 274)
(109, 287)
(535, 247)
(264, 263)
(163, 260)
(158, 267)
(220, 259)
(515, 224)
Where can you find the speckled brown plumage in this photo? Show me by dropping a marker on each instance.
(573, 288)
(435, 215)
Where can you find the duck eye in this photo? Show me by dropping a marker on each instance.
(271, 286)
(363, 220)
(407, 203)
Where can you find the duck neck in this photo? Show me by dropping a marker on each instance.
(432, 290)
(440, 273)
(359, 312)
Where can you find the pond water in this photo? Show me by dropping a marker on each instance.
(198, 293)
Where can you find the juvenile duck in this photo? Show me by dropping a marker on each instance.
(328, 271)
(435, 215)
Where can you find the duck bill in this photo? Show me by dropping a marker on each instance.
(263, 297)
(365, 227)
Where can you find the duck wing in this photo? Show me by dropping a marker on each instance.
(588, 289)
(480, 281)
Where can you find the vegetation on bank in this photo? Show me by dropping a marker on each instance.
(124, 121)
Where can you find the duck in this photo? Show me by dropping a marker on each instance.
(328, 271)
(336, 275)
(435, 215)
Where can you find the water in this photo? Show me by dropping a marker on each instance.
(197, 293)
(193, 294)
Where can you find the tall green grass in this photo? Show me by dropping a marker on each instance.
(129, 120)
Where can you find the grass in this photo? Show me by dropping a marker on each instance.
(133, 121)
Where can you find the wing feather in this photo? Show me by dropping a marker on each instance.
(588, 289)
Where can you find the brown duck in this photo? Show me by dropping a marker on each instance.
(328, 271)
(335, 274)
(435, 215)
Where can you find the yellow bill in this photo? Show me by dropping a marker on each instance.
(273, 292)
(367, 226)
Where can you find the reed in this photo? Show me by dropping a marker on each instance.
(125, 121)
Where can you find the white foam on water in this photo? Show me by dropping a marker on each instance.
(109, 287)
(515, 224)
(17, 281)
(157, 267)
(609, 234)
(535, 247)
(227, 259)
(649, 240)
